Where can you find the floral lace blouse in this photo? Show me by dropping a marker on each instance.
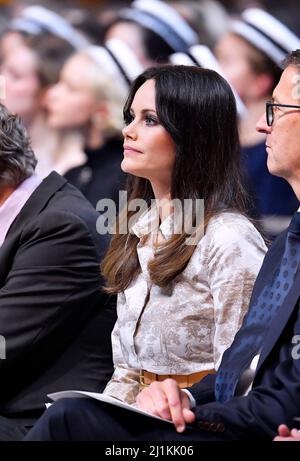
(186, 327)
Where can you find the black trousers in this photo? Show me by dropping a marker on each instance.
(14, 429)
(89, 420)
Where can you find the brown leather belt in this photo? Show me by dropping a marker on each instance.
(147, 377)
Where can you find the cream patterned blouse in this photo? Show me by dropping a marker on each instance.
(186, 327)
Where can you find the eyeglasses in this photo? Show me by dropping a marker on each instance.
(270, 111)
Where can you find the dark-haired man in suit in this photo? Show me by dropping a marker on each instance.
(55, 322)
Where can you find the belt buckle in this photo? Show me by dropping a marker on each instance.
(142, 380)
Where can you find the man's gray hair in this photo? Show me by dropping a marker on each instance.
(293, 59)
(17, 160)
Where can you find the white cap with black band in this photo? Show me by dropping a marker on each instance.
(266, 33)
(38, 19)
(164, 20)
(118, 60)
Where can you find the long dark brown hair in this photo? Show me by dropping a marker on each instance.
(197, 108)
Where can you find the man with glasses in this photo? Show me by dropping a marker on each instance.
(257, 386)
(270, 105)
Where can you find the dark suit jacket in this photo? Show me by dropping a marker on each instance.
(275, 395)
(53, 315)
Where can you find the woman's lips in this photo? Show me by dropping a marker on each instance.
(131, 150)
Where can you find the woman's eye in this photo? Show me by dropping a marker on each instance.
(151, 121)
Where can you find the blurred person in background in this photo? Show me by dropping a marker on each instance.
(29, 71)
(153, 29)
(202, 56)
(85, 21)
(203, 17)
(33, 50)
(37, 20)
(88, 99)
(250, 55)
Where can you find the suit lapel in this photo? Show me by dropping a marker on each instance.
(38, 200)
(34, 205)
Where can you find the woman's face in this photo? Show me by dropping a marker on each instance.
(149, 151)
(71, 102)
(234, 55)
(22, 86)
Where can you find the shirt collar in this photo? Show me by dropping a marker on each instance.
(148, 223)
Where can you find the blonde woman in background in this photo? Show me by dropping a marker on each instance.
(30, 69)
(88, 99)
(33, 49)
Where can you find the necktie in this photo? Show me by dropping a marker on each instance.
(249, 339)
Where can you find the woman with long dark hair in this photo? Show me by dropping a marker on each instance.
(181, 299)
(179, 304)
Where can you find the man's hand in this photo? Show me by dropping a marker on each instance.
(167, 400)
(286, 435)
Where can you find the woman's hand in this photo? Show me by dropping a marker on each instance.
(166, 400)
